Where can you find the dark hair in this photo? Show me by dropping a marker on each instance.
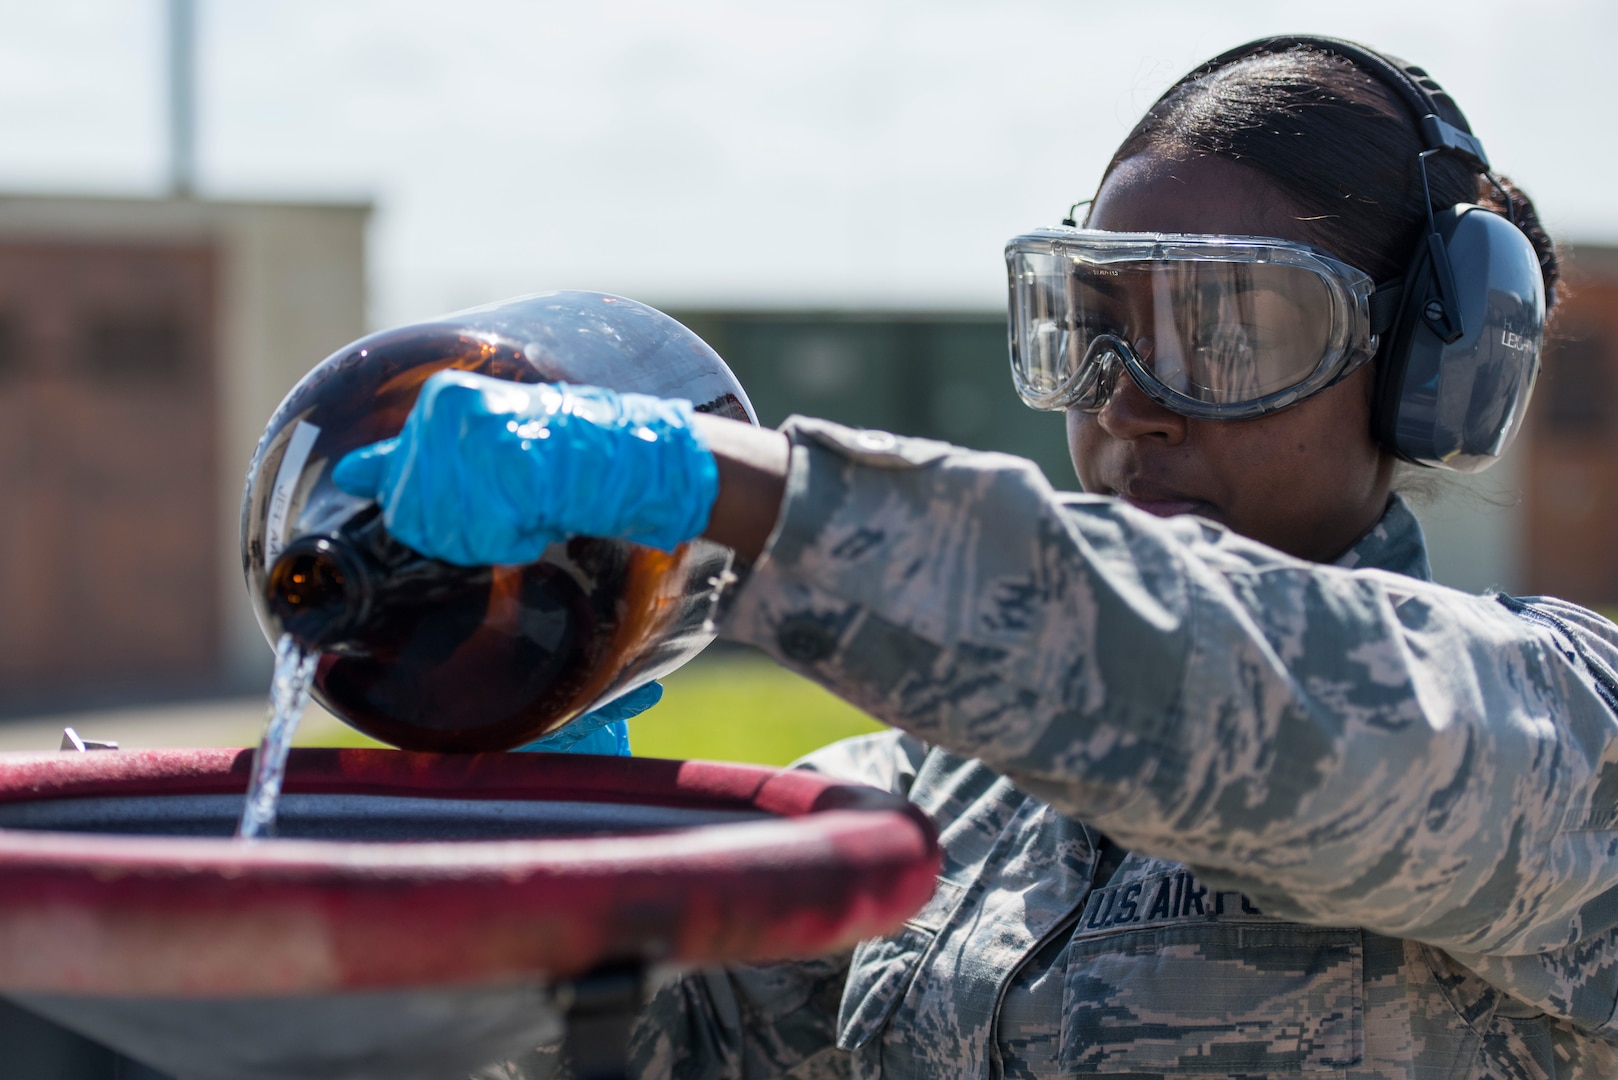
(1339, 143)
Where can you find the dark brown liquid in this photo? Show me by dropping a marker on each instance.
(450, 658)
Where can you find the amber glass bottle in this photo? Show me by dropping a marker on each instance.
(430, 656)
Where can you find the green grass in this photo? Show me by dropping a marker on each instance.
(723, 708)
(743, 709)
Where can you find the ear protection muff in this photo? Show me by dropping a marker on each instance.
(1454, 378)
(1455, 373)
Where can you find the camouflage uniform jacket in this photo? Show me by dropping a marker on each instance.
(1371, 823)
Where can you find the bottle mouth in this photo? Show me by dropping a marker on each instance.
(315, 590)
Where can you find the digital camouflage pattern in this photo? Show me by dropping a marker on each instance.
(1207, 810)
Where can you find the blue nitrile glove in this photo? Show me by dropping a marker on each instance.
(604, 731)
(488, 471)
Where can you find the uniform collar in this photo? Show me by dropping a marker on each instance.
(1395, 544)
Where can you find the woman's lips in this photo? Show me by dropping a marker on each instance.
(1165, 503)
(1169, 507)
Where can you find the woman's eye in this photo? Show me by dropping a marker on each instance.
(1223, 359)
(1228, 341)
(1094, 325)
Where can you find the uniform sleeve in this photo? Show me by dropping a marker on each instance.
(1349, 747)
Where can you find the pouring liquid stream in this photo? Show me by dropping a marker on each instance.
(289, 696)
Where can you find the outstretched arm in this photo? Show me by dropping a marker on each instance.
(752, 482)
(1347, 747)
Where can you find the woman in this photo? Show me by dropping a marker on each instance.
(1226, 786)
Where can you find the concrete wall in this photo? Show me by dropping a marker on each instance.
(292, 290)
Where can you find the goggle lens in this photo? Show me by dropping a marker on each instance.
(1204, 335)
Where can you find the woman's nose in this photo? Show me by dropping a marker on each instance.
(1130, 414)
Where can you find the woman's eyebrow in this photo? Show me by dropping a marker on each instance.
(1109, 286)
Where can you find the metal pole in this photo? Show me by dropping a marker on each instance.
(182, 98)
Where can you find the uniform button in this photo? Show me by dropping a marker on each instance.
(806, 639)
(877, 442)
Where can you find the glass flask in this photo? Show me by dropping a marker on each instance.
(426, 655)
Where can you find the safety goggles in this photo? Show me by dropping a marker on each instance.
(1211, 327)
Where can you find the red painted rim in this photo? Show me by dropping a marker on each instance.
(150, 916)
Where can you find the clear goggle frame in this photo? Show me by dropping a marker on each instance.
(1210, 327)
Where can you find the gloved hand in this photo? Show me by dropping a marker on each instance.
(490, 472)
(604, 731)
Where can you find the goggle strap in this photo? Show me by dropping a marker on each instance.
(1384, 305)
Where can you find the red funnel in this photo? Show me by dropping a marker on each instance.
(408, 878)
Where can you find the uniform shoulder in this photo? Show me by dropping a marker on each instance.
(885, 759)
(1593, 636)
(1589, 624)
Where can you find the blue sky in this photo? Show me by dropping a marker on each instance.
(716, 152)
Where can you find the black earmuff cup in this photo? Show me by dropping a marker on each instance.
(1457, 404)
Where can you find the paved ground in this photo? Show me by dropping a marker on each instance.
(230, 722)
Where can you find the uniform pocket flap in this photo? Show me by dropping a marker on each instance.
(1267, 999)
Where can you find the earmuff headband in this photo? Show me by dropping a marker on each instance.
(1439, 120)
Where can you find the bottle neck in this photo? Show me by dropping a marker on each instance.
(340, 591)
(319, 589)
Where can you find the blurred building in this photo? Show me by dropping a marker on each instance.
(143, 345)
(1570, 482)
(939, 375)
